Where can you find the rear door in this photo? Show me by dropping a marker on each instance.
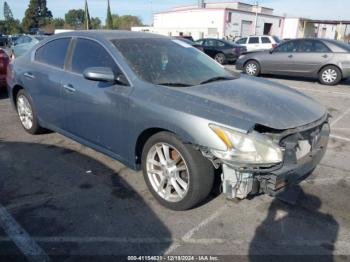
(210, 47)
(94, 111)
(280, 60)
(266, 43)
(43, 77)
(253, 43)
(310, 56)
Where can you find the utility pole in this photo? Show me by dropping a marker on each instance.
(256, 16)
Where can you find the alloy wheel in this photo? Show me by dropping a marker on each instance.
(25, 112)
(167, 172)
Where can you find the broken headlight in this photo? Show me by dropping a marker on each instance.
(251, 148)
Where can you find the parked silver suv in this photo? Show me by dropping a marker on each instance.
(327, 60)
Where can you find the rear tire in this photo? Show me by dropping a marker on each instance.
(27, 114)
(220, 58)
(162, 156)
(252, 68)
(330, 75)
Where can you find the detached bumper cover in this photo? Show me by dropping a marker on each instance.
(294, 170)
(297, 165)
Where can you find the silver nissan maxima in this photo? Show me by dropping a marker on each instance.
(160, 105)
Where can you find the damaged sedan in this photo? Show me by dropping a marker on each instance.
(160, 105)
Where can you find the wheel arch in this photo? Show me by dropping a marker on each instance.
(252, 59)
(142, 139)
(14, 93)
(335, 65)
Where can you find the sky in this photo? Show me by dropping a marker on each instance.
(316, 9)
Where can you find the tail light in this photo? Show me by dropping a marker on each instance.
(237, 50)
(274, 45)
(3, 54)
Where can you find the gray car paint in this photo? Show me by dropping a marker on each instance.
(299, 63)
(113, 118)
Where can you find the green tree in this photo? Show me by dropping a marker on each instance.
(37, 15)
(7, 12)
(109, 19)
(58, 23)
(87, 21)
(75, 18)
(11, 27)
(96, 23)
(125, 22)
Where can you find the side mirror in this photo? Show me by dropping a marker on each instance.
(102, 74)
(122, 80)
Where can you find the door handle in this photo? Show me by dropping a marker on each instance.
(29, 75)
(69, 88)
(325, 56)
(290, 56)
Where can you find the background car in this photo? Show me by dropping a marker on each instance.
(223, 51)
(187, 41)
(254, 43)
(327, 60)
(4, 61)
(3, 41)
(23, 44)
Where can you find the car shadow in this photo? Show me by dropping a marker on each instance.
(286, 234)
(74, 206)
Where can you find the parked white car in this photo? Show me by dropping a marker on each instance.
(253, 43)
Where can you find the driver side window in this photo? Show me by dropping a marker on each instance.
(88, 53)
(289, 47)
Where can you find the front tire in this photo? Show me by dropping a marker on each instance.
(330, 75)
(177, 175)
(27, 114)
(252, 68)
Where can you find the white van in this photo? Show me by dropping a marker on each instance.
(264, 42)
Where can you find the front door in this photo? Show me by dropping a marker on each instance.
(280, 60)
(94, 111)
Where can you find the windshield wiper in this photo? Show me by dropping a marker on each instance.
(174, 84)
(217, 78)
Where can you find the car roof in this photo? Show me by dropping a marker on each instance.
(109, 34)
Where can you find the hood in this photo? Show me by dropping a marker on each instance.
(259, 101)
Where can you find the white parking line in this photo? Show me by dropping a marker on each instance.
(21, 238)
(187, 238)
(340, 138)
(340, 117)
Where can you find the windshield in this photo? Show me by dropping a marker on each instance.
(169, 62)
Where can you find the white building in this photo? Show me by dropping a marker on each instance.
(218, 20)
(303, 27)
(236, 19)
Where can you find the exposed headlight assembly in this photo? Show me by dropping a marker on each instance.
(247, 149)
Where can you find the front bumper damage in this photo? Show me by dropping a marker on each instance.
(303, 150)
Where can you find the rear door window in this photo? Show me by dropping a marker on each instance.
(88, 53)
(253, 40)
(53, 53)
(320, 47)
(265, 40)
